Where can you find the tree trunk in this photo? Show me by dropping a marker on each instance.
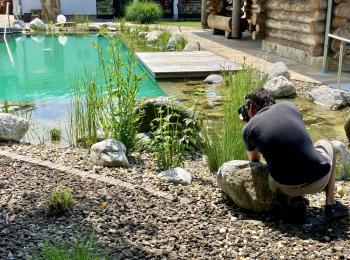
(297, 5)
(306, 39)
(204, 15)
(297, 17)
(50, 9)
(220, 22)
(309, 28)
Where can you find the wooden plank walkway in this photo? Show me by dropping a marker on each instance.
(189, 64)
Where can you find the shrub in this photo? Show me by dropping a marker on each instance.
(172, 140)
(223, 138)
(55, 134)
(60, 202)
(143, 12)
(80, 249)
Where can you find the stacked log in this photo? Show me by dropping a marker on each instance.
(341, 25)
(257, 19)
(298, 24)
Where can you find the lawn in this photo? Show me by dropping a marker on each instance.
(194, 24)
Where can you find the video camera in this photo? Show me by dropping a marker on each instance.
(243, 110)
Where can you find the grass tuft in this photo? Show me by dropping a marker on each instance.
(60, 202)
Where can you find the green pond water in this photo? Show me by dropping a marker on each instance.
(44, 67)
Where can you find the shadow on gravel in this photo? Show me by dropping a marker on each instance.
(315, 226)
(25, 227)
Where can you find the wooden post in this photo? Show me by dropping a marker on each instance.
(236, 10)
(204, 15)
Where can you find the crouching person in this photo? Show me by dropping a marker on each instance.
(297, 166)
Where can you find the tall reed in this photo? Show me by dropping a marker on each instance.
(107, 104)
(223, 138)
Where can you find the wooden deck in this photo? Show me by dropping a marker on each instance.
(189, 64)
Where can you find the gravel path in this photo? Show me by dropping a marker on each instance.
(138, 225)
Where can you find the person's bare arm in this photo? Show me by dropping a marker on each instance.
(254, 156)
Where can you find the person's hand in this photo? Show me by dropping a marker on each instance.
(241, 118)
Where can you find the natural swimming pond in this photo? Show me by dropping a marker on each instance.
(44, 67)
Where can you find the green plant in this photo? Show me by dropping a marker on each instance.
(85, 106)
(180, 44)
(60, 202)
(108, 104)
(163, 39)
(223, 138)
(55, 134)
(143, 12)
(172, 139)
(80, 249)
(6, 107)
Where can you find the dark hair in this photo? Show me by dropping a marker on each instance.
(260, 98)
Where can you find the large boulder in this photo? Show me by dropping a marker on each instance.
(278, 69)
(37, 24)
(192, 46)
(214, 79)
(246, 183)
(280, 87)
(174, 39)
(110, 153)
(150, 108)
(176, 176)
(12, 128)
(153, 36)
(347, 127)
(343, 159)
(333, 99)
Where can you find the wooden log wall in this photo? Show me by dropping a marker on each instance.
(299, 24)
(257, 19)
(340, 26)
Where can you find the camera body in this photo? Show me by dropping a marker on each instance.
(243, 110)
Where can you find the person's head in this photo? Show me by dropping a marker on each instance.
(258, 99)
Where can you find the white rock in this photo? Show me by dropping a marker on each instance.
(214, 79)
(177, 176)
(278, 69)
(110, 153)
(280, 87)
(37, 24)
(19, 25)
(12, 128)
(174, 39)
(333, 99)
(192, 46)
(153, 35)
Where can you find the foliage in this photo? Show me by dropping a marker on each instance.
(143, 12)
(180, 44)
(60, 202)
(81, 249)
(342, 170)
(223, 138)
(55, 134)
(163, 39)
(6, 107)
(108, 104)
(172, 139)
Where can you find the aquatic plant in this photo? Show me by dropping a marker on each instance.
(223, 138)
(107, 105)
(143, 12)
(60, 202)
(55, 134)
(180, 44)
(5, 107)
(82, 248)
(172, 139)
